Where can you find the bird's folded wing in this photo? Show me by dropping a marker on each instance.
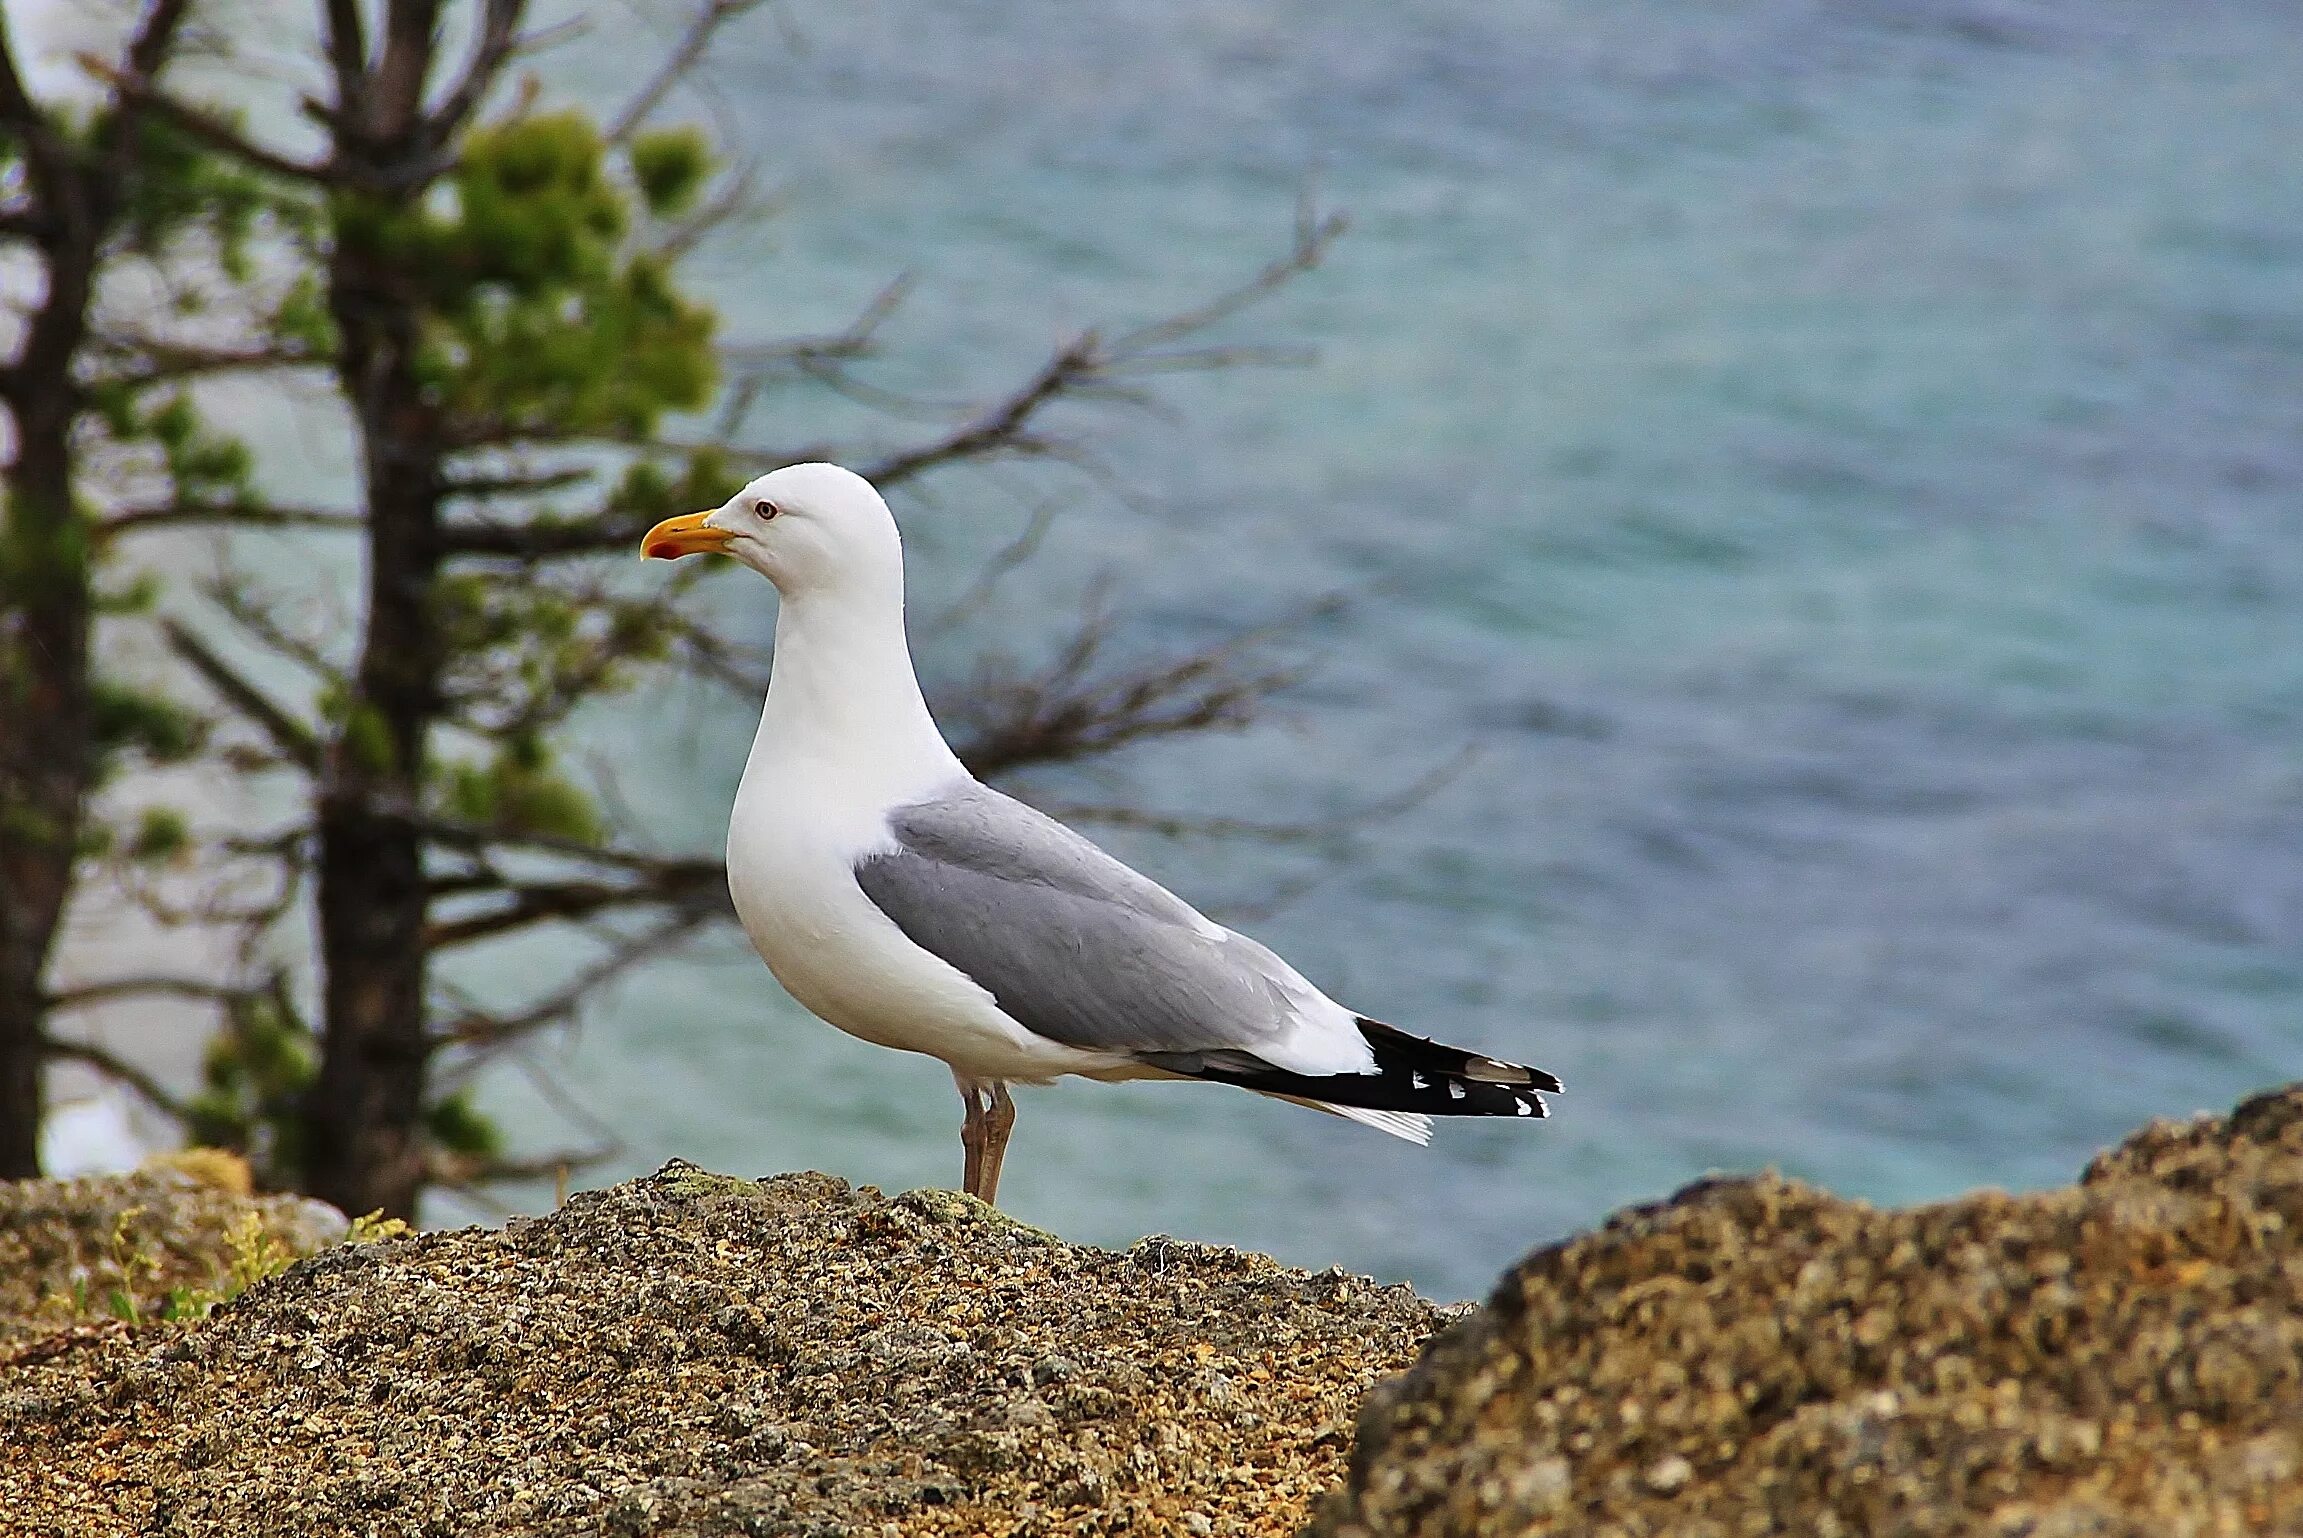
(1073, 945)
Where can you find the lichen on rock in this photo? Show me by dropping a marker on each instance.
(1755, 1356)
(694, 1354)
(115, 1249)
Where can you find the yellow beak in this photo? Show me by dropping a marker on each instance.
(684, 535)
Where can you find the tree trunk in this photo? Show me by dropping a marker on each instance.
(364, 1118)
(47, 761)
(45, 758)
(71, 189)
(364, 1144)
(364, 1135)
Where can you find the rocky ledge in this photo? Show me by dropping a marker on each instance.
(695, 1355)
(700, 1355)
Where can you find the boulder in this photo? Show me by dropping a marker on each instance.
(1756, 1356)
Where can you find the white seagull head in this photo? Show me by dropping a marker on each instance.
(806, 528)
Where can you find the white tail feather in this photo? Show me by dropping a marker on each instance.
(1412, 1125)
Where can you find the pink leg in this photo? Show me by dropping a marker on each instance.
(998, 1123)
(972, 1134)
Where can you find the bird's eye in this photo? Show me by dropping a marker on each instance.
(765, 509)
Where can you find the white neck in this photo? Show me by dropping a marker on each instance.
(843, 701)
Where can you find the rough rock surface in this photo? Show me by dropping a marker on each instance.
(68, 1247)
(692, 1354)
(2124, 1357)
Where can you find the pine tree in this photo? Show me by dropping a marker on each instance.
(93, 199)
(493, 281)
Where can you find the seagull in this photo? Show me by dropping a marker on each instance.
(905, 902)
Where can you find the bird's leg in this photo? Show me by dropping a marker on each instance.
(972, 1135)
(997, 1125)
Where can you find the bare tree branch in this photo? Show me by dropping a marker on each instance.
(259, 622)
(201, 124)
(473, 839)
(542, 538)
(24, 222)
(165, 362)
(465, 1175)
(347, 42)
(740, 669)
(814, 357)
(733, 200)
(996, 570)
(549, 1089)
(147, 51)
(678, 64)
(113, 989)
(1182, 826)
(1087, 366)
(291, 736)
(479, 488)
(1005, 428)
(1343, 824)
(156, 35)
(464, 883)
(411, 41)
(492, 47)
(486, 1030)
(695, 886)
(1314, 234)
(1066, 713)
(225, 515)
(508, 434)
(115, 1067)
(47, 158)
(17, 108)
(854, 341)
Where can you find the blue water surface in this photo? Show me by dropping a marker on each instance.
(1837, 471)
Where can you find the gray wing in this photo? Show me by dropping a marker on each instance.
(1073, 945)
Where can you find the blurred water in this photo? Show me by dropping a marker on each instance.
(1838, 466)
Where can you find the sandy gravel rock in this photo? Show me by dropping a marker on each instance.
(691, 1354)
(1754, 1356)
(66, 1246)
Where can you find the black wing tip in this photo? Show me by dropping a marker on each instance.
(1412, 1075)
(1426, 1053)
